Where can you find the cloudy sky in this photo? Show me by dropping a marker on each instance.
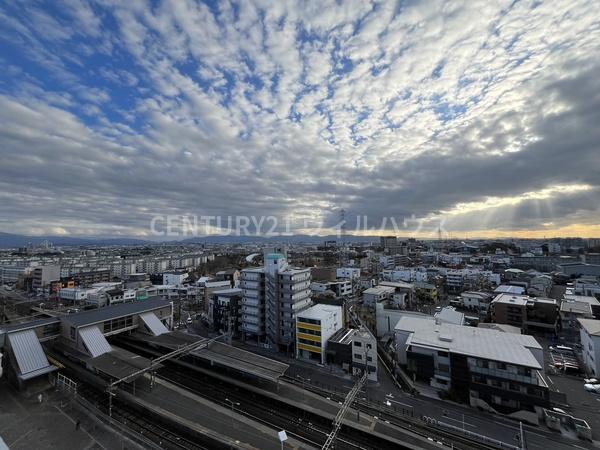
(479, 116)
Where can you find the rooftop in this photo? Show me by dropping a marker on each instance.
(319, 310)
(112, 312)
(573, 306)
(378, 290)
(591, 326)
(520, 300)
(230, 291)
(476, 342)
(449, 314)
(581, 298)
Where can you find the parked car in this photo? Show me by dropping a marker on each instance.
(591, 381)
(593, 388)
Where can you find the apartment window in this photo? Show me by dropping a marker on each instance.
(441, 353)
(357, 344)
(444, 368)
(357, 356)
(501, 366)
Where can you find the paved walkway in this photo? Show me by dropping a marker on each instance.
(27, 424)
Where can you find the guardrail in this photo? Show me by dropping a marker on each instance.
(470, 434)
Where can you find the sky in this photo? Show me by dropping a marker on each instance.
(471, 118)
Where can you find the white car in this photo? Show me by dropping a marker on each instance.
(591, 381)
(593, 388)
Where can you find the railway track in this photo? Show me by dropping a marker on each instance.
(159, 434)
(308, 430)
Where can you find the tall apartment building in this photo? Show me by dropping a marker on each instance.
(287, 292)
(252, 311)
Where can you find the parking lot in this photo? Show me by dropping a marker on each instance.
(583, 404)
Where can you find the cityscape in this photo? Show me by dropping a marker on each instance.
(299, 225)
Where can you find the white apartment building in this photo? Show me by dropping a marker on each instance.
(75, 294)
(287, 292)
(314, 327)
(376, 294)
(348, 272)
(364, 352)
(174, 278)
(590, 345)
(252, 311)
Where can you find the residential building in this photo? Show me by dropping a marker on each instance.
(352, 273)
(388, 241)
(174, 278)
(75, 295)
(314, 327)
(483, 367)
(252, 312)
(232, 275)
(339, 288)
(530, 314)
(590, 345)
(592, 258)
(587, 286)
(579, 269)
(364, 353)
(476, 301)
(575, 307)
(376, 294)
(223, 310)
(287, 292)
(44, 275)
(449, 314)
(90, 277)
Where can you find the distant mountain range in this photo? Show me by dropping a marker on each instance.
(8, 240)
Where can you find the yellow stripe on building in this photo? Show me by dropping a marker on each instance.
(309, 326)
(310, 348)
(309, 337)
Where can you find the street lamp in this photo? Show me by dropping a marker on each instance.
(233, 404)
(304, 380)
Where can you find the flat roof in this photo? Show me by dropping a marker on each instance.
(223, 354)
(592, 326)
(378, 290)
(230, 291)
(575, 306)
(510, 289)
(397, 284)
(511, 299)
(119, 363)
(470, 341)
(94, 316)
(318, 311)
(581, 298)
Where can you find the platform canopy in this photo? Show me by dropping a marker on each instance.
(118, 363)
(94, 341)
(29, 354)
(153, 323)
(219, 354)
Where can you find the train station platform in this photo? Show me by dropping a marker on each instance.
(118, 363)
(216, 353)
(180, 406)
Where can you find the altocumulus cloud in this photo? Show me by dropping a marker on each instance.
(481, 114)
